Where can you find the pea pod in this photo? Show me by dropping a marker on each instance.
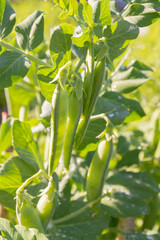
(73, 116)
(26, 213)
(46, 204)
(58, 126)
(98, 168)
(99, 76)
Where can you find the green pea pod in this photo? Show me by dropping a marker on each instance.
(98, 168)
(73, 116)
(46, 204)
(26, 213)
(99, 76)
(58, 126)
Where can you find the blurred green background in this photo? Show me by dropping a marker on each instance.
(145, 48)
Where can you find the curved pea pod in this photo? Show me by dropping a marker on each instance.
(46, 204)
(98, 169)
(26, 213)
(58, 126)
(99, 76)
(74, 112)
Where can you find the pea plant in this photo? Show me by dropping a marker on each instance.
(69, 170)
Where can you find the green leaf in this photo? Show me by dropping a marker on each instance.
(62, 3)
(13, 67)
(29, 33)
(129, 158)
(85, 226)
(9, 230)
(25, 145)
(73, 7)
(127, 86)
(141, 66)
(141, 14)
(45, 76)
(5, 135)
(105, 14)
(139, 184)
(30, 234)
(2, 7)
(81, 38)
(120, 205)
(118, 35)
(87, 12)
(128, 80)
(9, 19)
(19, 232)
(25, 92)
(78, 171)
(12, 174)
(60, 44)
(63, 198)
(90, 140)
(117, 107)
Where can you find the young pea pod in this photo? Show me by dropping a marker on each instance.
(58, 126)
(46, 204)
(99, 76)
(73, 116)
(98, 168)
(26, 213)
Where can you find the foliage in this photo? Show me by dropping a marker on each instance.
(38, 74)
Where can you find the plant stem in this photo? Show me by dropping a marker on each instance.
(79, 211)
(29, 180)
(29, 56)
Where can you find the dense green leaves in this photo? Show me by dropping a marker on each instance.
(13, 67)
(12, 174)
(25, 145)
(7, 18)
(19, 232)
(118, 109)
(129, 184)
(30, 32)
(129, 193)
(85, 226)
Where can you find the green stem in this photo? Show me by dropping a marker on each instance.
(81, 61)
(32, 58)
(29, 180)
(91, 78)
(74, 73)
(100, 116)
(79, 211)
(8, 101)
(22, 113)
